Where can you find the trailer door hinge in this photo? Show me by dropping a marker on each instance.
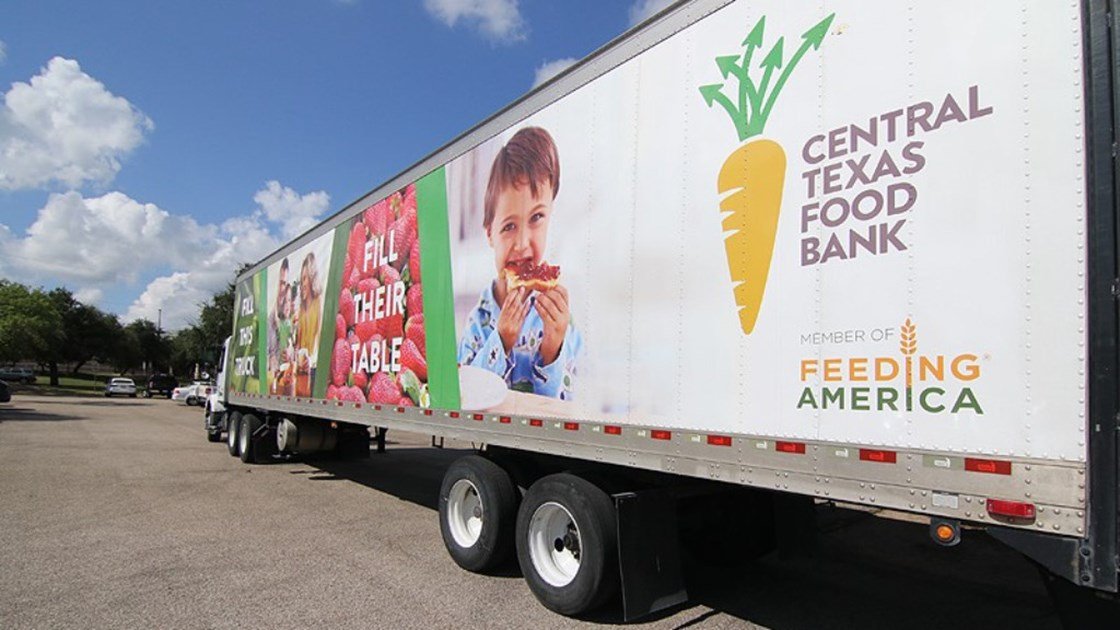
(1116, 287)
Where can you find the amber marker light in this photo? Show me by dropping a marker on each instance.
(945, 532)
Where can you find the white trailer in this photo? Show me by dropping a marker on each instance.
(786, 252)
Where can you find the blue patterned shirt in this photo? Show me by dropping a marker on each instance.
(481, 346)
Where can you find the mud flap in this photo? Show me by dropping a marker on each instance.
(648, 553)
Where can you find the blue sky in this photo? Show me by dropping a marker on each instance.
(147, 148)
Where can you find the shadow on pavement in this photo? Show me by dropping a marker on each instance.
(25, 414)
(867, 571)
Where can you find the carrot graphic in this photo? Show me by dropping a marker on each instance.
(752, 177)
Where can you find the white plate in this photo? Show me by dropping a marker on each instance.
(480, 389)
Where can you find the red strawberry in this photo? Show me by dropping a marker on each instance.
(377, 217)
(405, 401)
(404, 232)
(414, 332)
(413, 359)
(414, 300)
(408, 199)
(361, 379)
(332, 392)
(391, 327)
(347, 269)
(353, 279)
(346, 307)
(388, 275)
(414, 262)
(367, 287)
(340, 362)
(351, 394)
(356, 247)
(383, 389)
(366, 328)
(339, 327)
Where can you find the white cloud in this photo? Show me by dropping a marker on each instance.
(642, 10)
(549, 69)
(498, 20)
(3, 51)
(64, 126)
(89, 295)
(294, 212)
(112, 239)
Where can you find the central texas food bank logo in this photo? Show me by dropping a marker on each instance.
(752, 177)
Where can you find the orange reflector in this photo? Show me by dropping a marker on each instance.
(571, 426)
(719, 440)
(610, 429)
(476, 416)
(945, 532)
(1011, 509)
(504, 420)
(533, 422)
(990, 466)
(660, 435)
(885, 457)
(453, 414)
(790, 447)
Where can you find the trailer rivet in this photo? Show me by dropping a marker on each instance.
(861, 484)
(1040, 525)
(911, 493)
(1057, 511)
(872, 486)
(1080, 530)
(969, 514)
(1057, 527)
(911, 506)
(1027, 481)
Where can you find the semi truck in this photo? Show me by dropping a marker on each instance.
(749, 257)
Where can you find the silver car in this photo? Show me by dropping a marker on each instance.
(120, 386)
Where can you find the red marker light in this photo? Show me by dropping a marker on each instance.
(990, 466)
(658, 434)
(571, 426)
(476, 416)
(611, 429)
(533, 422)
(453, 414)
(504, 419)
(427, 412)
(1011, 509)
(790, 447)
(719, 440)
(883, 457)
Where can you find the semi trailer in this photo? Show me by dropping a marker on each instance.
(749, 257)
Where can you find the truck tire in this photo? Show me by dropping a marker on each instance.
(245, 438)
(255, 446)
(477, 513)
(213, 434)
(191, 401)
(232, 443)
(567, 544)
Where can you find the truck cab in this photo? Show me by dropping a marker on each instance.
(215, 404)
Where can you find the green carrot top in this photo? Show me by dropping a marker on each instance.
(756, 100)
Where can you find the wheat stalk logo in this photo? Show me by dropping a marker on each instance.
(908, 345)
(752, 177)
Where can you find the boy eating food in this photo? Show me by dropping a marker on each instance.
(521, 328)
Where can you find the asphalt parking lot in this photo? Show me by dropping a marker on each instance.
(118, 513)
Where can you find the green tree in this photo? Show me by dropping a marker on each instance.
(30, 326)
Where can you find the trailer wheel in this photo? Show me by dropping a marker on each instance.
(192, 401)
(567, 544)
(477, 513)
(232, 443)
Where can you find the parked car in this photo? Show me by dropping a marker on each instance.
(163, 384)
(17, 374)
(5, 392)
(122, 386)
(194, 394)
